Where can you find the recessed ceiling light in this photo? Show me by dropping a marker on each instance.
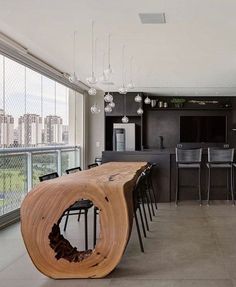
(152, 18)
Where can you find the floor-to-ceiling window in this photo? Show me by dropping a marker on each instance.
(37, 130)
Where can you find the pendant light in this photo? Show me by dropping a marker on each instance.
(131, 84)
(147, 101)
(92, 80)
(112, 104)
(95, 109)
(105, 77)
(140, 111)
(92, 91)
(108, 108)
(109, 71)
(123, 90)
(138, 99)
(108, 98)
(73, 78)
(125, 119)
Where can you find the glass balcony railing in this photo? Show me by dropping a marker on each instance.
(21, 167)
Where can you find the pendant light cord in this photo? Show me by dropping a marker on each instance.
(74, 48)
(131, 68)
(109, 50)
(92, 48)
(123, 65)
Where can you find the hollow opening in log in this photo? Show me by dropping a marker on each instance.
(68, 236)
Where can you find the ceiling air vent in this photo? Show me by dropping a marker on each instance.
(152, 18)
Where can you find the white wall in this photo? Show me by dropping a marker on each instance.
(89, 127)
(77, 123)
(94, 126)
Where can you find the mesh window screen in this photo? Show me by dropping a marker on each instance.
(35, 113)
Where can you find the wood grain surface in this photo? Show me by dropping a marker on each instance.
(110, 188)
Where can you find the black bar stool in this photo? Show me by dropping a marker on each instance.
(223, 159)
(95, 213)
(78, 208)
(137, 191)
(149, 186)
(92, 165)
(188, 159)
(48, 176)
(81, 206)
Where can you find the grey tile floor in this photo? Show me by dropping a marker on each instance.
(187, 246)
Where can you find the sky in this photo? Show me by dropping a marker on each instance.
(26, 91)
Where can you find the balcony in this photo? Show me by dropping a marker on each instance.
(21, 167)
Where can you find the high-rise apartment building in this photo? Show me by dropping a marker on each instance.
(53, 129)
(6, 129)
(30, 130)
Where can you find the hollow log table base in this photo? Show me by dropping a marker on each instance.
(109, 187)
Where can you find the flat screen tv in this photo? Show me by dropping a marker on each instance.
(203, 129)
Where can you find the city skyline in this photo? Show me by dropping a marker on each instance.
(32, 130)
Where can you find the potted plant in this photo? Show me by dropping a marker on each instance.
(177, 102)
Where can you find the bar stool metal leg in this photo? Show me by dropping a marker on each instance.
(177, 186)
(150, 200)
(94, 226)
(228, 185)
(79, 215)
(142, 222)
(144, 210)
(209, 185)
(66, 221)
(148, 205)
(232, 185)
(139, 233)
(199, 186)
(153, 192)
(86, 228)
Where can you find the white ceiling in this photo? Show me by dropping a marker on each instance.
(193, 53)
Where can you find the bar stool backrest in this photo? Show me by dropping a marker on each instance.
(188, 155)
(73, 170)
(220, 155)
(48, 176)
(136, 190)
(92, 165)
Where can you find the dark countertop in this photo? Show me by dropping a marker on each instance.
(145, 151)
(151, 151)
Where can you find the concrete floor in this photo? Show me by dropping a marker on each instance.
(187, 246)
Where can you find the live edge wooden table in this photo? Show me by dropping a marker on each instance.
(109, 187)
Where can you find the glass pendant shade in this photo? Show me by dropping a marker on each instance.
(104, 78)
(92, 80)
(92, 91)
(108, 98)
(147, 101)
(130, 86)
(73, 78)
(108, 109)
(122, 90)
(108, 71)
(112, 104)
(125, 120)
(95, 109)
(138, 99)
(140, 111)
